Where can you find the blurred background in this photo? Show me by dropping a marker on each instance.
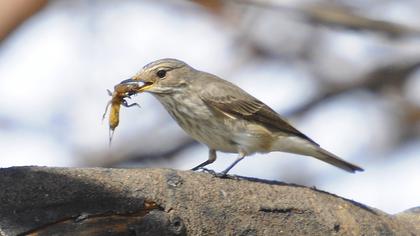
(346, 73)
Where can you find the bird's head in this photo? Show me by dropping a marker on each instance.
(163, 76)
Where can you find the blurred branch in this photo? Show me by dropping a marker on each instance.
(409, 115)
(342, 17)
(388, 80)
(137, 149)
(336, 15)
(13, 13)
(166, 155)
(212, 5)
(393, 74)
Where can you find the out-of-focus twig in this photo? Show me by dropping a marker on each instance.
(409, 115)
(166, 155)
(394, 74)
(13, 13)
(336, 15)
(342, 17)
(214, 6)
(139, 150)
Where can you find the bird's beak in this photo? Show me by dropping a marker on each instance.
(135, 79)
(128, 81)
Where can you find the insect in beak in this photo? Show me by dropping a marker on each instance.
(142, 88)
(121, 91)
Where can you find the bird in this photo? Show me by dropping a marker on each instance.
(223, 116)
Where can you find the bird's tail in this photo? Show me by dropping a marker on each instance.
(328, 157)
(304, 147)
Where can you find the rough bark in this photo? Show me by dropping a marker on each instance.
(97, 201)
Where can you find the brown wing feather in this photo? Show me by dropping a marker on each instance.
(249, 108)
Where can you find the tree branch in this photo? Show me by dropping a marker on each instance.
(95, 201)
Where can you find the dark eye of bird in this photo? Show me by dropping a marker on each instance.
(161, 73)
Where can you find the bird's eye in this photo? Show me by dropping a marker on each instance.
(161, 73)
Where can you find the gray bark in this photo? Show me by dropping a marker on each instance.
(97, 201)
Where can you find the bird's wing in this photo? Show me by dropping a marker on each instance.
(234, 102)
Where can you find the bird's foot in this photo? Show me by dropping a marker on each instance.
(205, 170)
(212, 172)
(222, 175)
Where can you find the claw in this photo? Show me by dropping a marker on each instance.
(222, 175)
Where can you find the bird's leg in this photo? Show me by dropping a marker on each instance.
(212, 158)
(240, 157)
(124, 103)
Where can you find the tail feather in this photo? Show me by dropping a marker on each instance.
(328, 157)
(301, 146)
